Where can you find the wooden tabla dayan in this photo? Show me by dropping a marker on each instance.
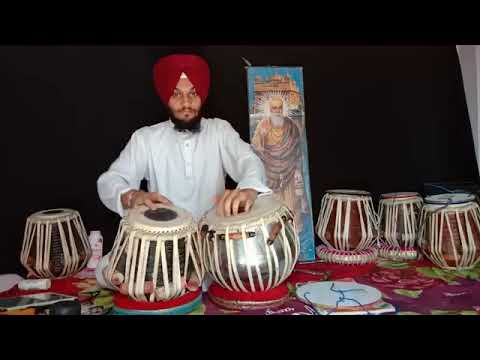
(347, 225)
(253, 251)
(55, 244)
(156, 254)
(399, 219)
(450, 230)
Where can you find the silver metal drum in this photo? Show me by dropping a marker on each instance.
(252, 251)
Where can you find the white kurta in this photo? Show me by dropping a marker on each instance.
(188, 168)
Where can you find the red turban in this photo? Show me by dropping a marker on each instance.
(168, 69)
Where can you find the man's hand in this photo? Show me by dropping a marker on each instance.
(134, 198)
(233, 200)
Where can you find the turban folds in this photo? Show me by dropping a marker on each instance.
(168, 69)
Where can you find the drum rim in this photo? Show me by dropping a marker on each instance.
(349, 192)
(375, 293)
(431, 199)
(400, 195)
(41, 216)
(184, 223)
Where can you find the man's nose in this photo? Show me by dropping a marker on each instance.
(185, 100)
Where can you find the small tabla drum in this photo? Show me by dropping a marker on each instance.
(55, 244)
(450, 230)
(155, 258)
(250, 255)
(348, 226)
(399, 217)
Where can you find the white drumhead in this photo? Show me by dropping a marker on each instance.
(330, 293)
(264, 206)
(451, 198)
(53, 214)
(166, 217)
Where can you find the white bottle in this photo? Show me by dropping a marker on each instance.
(96, 243)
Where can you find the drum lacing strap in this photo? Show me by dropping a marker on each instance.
(390, 214)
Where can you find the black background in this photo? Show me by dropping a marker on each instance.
(378, 118)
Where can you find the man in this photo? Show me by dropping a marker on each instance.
(185, 159)
(277, 143)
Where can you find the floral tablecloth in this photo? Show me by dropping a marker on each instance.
(413, 288)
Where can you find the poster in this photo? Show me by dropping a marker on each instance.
(277, 134)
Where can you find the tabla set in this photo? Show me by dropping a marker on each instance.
(160, 256)
(445, 228)
(159, 259)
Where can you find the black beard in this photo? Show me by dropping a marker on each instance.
(181, 125)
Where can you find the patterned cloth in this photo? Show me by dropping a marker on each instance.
(413, 288)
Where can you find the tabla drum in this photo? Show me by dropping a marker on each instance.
(347, 225)
(55, 244)
(254, 251)
(156, 255)
(450, 230)
(399, 218)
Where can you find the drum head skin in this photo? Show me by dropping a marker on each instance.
(53, 214)
(263, 207)
(168, 218)
(453, 198)
(338, 294)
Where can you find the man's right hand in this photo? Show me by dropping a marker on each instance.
(134, 198)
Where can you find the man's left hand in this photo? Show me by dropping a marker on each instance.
(233, 200)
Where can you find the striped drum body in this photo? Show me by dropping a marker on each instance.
(156, 255)
(253, 251)
(450, 230)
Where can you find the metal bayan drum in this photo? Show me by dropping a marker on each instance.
(156, 255)
(450, 230)
(254, 251)
(399, 215)
(55, 244)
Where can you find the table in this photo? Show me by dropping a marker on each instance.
(412, 287)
